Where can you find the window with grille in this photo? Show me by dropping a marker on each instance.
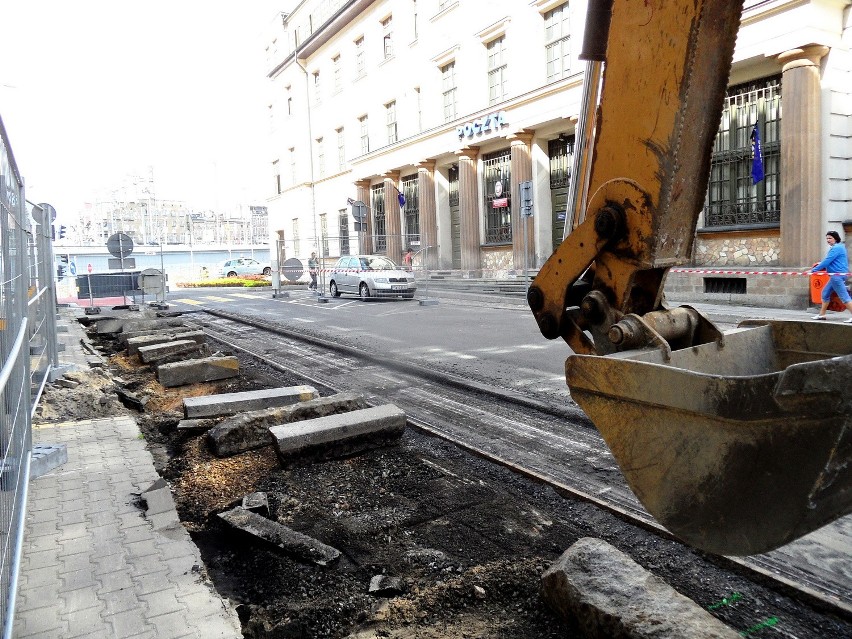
(292, 154)
(337, 73)
(295, 236)
(448, 88)
(557, 42)
(377, 198)
(497, 75)
(317, 86)
(453, 178)
(359, 57)
(320, 156)
(387, 25)
(390, 109)
(411, 192)
(561, 152)
(732, 200)
(323, 218)
(365, 134)
(289, 101)
(498, 197)
(343, 231)
(341, 149)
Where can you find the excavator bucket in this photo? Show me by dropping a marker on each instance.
(739, 445)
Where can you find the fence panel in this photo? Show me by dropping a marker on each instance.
(15, 395)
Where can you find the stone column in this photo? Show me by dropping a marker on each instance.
(428, 213)
(802, 235)
(365, 237)
(469, 210)
(393, 217)
(521, 170)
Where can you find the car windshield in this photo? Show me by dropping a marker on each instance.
(377, 264)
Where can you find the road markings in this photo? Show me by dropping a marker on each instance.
(245, 296)
(213, 298)
(187, 301)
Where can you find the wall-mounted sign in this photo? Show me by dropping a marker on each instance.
(500, 203)
(489, 123)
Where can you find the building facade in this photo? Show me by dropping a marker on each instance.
(429, 113)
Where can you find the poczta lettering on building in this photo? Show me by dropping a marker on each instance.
(479, 126)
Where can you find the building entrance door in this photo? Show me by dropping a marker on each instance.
(455, 218)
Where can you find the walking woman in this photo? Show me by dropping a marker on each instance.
(836, 263)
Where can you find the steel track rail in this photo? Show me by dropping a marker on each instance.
(626, 508)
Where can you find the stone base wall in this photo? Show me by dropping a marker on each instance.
(775, 291)
(498, 262)
(737, 250)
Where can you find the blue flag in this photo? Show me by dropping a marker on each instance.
(756, 157)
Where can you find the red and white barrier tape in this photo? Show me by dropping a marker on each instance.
(729, 272)
(674, 270)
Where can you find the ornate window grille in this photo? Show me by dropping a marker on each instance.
(732, 200)
(453, 178)
(411, 192)
(380, 238)
(561, 151)
(498, 197)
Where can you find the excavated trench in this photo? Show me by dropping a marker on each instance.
(465, 540)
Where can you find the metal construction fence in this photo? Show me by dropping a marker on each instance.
(29, 354)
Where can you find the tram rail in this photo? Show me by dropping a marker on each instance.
(531, 438)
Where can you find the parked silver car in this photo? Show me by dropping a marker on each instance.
(244, 266)
(370, 276)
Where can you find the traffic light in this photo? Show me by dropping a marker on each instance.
(61, 231)
(62, 267)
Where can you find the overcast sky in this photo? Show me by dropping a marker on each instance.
(94, 92)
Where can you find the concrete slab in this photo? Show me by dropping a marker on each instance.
(290, 541)
(46, 457)
(609, 595)
(157, 351)
(134, 343)
(232, 403)
(200, 370)
(250, 430)
(338, 435)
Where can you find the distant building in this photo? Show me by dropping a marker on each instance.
(453, 103)
(152, 221)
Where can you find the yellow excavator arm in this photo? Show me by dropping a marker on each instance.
(725, 438)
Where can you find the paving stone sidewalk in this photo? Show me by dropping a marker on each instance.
(93, 565)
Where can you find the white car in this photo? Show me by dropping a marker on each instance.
(244, 266)
(370, 276)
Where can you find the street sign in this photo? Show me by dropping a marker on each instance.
(526, 194)
(359, 211)
(120, 245)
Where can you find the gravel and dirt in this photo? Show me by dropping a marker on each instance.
(467, 539)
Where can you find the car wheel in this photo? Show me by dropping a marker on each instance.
(267, 271)
(232, 273)
(364, 291)
(332, 287)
